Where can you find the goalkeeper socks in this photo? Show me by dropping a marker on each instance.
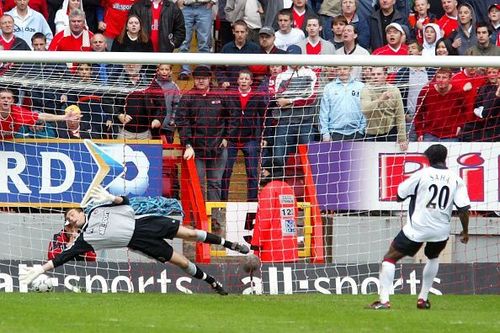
(217, 240)
(197, 273)
(430, 271)
(386, 278)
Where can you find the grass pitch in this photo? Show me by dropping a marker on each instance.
(66, 312)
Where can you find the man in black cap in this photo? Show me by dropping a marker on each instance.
(203, 122)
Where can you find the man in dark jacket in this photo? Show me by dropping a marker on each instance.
(380, 19)
(202, 121)
(163, 22)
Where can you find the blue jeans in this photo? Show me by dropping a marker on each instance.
(199, 17)
(251, 152)
(288, 136)
(211, 169)
(432, 138)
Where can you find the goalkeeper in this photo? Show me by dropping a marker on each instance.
(113, 224)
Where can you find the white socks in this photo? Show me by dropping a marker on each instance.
(430, 271)
(386, 278)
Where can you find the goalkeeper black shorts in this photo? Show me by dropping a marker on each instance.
(150, 234)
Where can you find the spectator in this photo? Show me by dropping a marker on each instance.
(340, 114)
(65, 239)
(382, 106)
(247, 109)
(249, 11)
(197, 19)
(163, 23)
(164, 84)
(104, 72)
(274, 236)
(227, 75)
(133, 37)
(141, 113)
(38, 42)
(296, 93)
(494, 20)
(12, 117)
(432, 34)
(444, 48)
(449, 21)
(76, 129)
(350, 12)
(28, 21)
(39, 6)
(202, 120)
(351, 47)
(7, 39)
(300, 12)
(484, 127)
(464, 36)
(484, 46)
(420, 17)
(266, 42)
(380, 20)
(75, 37)
(395, 45)
(112, 16)
(61, 20)
(338, 24)
(410, 81)
(287, 35)
(440, 109)
(329, 9)
(313, 43)
(469, 80)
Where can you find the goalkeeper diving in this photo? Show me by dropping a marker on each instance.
(112, 223)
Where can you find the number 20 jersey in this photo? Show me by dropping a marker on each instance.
(433, 193)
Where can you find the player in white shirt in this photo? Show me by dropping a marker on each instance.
(433, 192)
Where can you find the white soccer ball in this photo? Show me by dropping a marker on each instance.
(42, 284)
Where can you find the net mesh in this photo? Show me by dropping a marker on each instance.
(301, 162)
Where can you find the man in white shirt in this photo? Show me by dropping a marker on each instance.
(433, 191)
(28, 21)
(286, 35)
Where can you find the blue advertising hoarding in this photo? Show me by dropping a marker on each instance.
(60, 173)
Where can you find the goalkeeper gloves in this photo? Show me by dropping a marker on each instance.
(31, 273)
(100, 195)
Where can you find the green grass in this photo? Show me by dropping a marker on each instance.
(65, 312)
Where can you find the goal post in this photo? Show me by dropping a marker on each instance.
(334, 190)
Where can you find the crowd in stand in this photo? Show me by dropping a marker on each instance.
(264, 111)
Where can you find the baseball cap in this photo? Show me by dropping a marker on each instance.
(396, 26)
(495, 5)
(266, 31)
(202, 71)
(294, 49)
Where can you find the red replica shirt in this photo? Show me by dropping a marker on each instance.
(438, 114)
(71, 43)
(244, 98)
(387, 50)
(7, 45)
(17, 118)
(275, 230)
(310, 49)
(155, 26)
(460, 80)
(115, 16)
(298, 19)
(448, 24)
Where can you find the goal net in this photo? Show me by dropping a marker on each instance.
(300, 159)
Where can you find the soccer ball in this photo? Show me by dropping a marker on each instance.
(42, 284)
